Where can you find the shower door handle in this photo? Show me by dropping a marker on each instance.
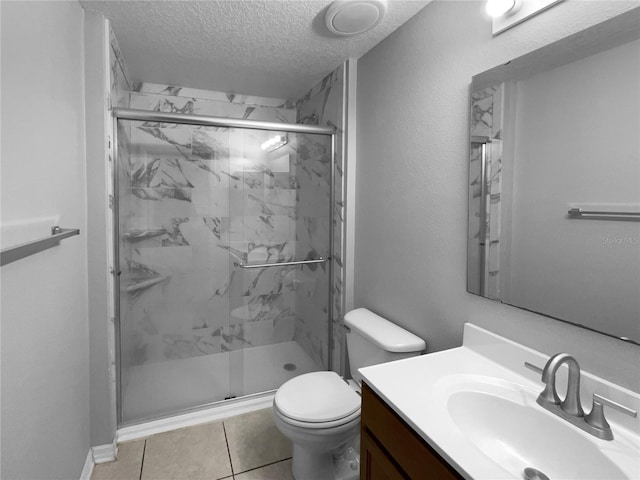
(282, 264)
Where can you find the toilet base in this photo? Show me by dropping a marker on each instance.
(311, 465)
(346, 465)
(341, 465)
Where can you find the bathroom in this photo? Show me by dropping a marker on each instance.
(404, 244)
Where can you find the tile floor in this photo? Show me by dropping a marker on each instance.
(246, 447)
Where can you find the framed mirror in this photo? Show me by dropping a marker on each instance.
(554, 180)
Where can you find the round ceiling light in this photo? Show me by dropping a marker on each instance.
(351, 17)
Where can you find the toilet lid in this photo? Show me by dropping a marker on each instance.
(317, 397)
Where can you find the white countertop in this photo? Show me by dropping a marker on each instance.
(418, 388)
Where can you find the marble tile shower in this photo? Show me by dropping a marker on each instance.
(194, 204)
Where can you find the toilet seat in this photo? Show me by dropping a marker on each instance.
(317, 400)
(354, 418)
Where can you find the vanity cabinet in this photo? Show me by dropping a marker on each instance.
(390, 449)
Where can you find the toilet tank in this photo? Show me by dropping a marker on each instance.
(372, 339)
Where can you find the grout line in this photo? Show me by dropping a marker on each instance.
(266, 465)
(226, 440)
(144, 451)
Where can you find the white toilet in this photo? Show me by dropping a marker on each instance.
(320, 412)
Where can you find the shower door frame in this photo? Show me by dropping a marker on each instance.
(208, 121)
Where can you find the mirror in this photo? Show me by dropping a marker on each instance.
(554, 180)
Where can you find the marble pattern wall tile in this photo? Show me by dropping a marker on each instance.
(174, 100)
(195, 195)
(323, 105)
(120, 85)
(170, 192)
(174, 91)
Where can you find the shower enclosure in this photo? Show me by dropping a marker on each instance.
(223, 246)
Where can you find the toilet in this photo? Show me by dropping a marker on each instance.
(320, 411)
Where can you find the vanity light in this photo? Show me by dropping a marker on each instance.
(498, 8)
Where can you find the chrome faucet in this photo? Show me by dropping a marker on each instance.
(549, 396)
(570, 409)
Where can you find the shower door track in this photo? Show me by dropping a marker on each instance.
(206, 121)
(209, 121)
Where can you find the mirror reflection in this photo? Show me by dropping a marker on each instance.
(554, 178)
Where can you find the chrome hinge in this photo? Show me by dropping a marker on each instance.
(109, 141)
(111, 202)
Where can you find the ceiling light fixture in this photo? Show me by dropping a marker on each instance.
(499, 8)
(351, 17)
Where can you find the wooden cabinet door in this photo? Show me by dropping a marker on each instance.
(390, 442)
(374, 462)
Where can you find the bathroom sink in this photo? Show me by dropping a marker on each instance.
(504, 422)
(475, 405)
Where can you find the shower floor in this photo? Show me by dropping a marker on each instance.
(163, 388)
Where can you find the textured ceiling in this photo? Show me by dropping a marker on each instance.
(275, 48)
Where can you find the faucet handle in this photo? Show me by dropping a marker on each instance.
(533, 367)
(615, 405)
(596, 419)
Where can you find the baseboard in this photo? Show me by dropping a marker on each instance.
(190, 419)
(87, 470)
(104, 453)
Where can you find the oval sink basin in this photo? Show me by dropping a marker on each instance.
(504, 423)
(519, 435)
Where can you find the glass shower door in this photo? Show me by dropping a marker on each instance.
(173, 222)
(208, 219)
(280, 215)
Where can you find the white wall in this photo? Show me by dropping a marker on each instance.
(44, 351)
(578, 145)
(411, 199)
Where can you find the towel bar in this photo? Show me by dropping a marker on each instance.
(596, 214)
(11, 254)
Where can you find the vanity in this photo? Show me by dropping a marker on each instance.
(472, 412)
(391, 449)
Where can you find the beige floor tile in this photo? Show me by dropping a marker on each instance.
(275, 471)
(255, 441)
(126, 467)
(196, 453)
